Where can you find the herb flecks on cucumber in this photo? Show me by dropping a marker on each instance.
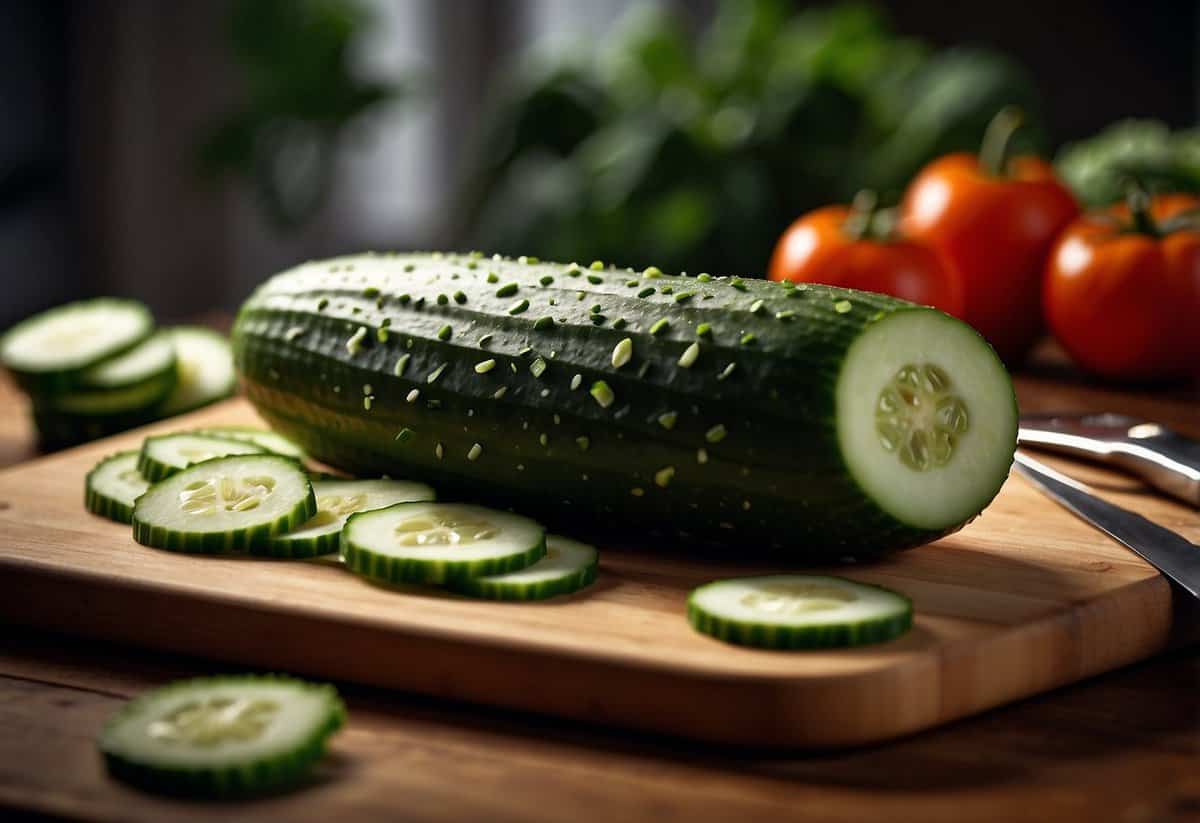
(222, 736)
(771, 423)
(798, 612)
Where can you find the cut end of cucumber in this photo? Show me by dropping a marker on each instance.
(927, 418)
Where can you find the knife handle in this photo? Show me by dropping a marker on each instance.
(1162, 457)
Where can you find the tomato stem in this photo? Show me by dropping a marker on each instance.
(1138, 200)
(997, 140)
(867, 221)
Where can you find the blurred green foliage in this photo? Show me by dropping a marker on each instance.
(300, 94)
(1100, 168)
(695, 153)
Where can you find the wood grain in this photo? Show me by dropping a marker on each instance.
(1025, 599)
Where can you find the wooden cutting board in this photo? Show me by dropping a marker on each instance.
(1025, 599)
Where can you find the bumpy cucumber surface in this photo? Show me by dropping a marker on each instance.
(337, 500)
(222, 736)
(438, 543)
(798, 612)
(205, 369)
(567, 567)
(819, 422)
(49, 351)
(165, 454)
(226, 504)
(114, 485)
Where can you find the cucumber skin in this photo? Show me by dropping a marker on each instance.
(259, 777)
(483, 589)
(765, 636)
(397, 570)
(777, 406)
(255, 540)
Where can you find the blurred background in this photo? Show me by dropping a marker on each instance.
(180, 152)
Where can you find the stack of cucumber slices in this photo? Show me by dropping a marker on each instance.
(97, 367)
(241, 490)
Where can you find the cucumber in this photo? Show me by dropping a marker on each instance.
(567, 567)
(113, 485)
(438, 543)
(49, 351)
(166, 454)
(815, 421)
(273, 442)
(336, 501)
(205, 370)
(222, 736)
(152, 359)
(225, 504)
(58, 430)
(798, 612)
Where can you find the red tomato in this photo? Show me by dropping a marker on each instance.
(1123, 296)
(820, 248)
(996, 228)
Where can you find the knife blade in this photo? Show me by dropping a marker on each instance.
(1169, 552)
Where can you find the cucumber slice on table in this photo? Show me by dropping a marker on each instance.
(567, 567)
(225, 504)
(273, 442)
(112, 487)
(796, 611)
(222, 736)
(336, 501)
(439, 542)
(48, 351)
(166, 454)
(205, 369)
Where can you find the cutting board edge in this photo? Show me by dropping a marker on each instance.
(728, 709)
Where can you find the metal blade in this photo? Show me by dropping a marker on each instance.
(1165, 550)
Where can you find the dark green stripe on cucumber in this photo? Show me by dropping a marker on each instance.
(817, 421)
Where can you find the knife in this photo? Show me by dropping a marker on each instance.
(1177, 558)
(1164, 458)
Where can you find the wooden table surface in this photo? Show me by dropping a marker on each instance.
(1120, 747)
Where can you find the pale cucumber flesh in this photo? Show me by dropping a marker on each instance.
(222, 736)
(205, 369)
(226, 504)
(567, 567)
(75, 336)
(164, 455)
(114, 485)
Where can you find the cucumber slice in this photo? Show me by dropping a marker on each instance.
(113, 485)
(439, 542)
(225, 504)
(47, 352)
(166, 454)
(336, 501)
(797, 611)
(567, 567)
(140, 398)
(205, 369)
(273, 442)
(146, 361)
(222, 736)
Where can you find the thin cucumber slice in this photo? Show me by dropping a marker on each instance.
(166, 454)
(439, 542)
(273, 442)
(141, 398)
(222, 736)
(567, 567)
(205, 369)
(226, 504)
(148, 360)
(48, 351)
(113, 485)
(336, 501)
(798, 611)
